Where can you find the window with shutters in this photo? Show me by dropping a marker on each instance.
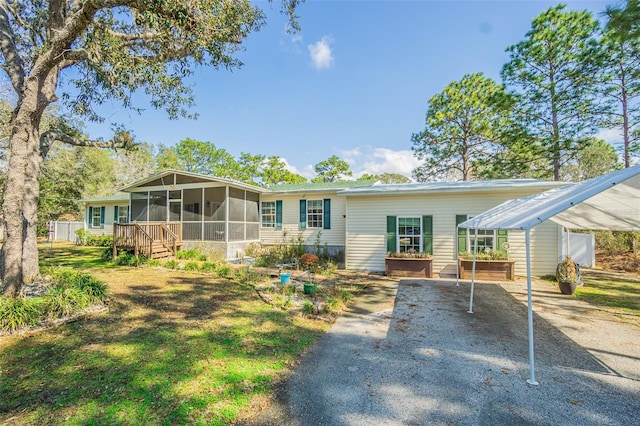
(268, 214)
(409, 234)
(314, 213)
(96, 217)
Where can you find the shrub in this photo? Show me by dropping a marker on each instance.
(84, 238)
(129, 259)
(19, 313)
(61, 301)
(309, 261)
(192, 266)
(94, 288)
(223, 271)
(153, 262)
(208, 267)
(308, 308)
(191, 254)
(171, 264)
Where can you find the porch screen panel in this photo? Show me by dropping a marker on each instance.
(236, 231)
(214, 204)
(236, 205)
(192, 202)
(253, 231)
(253, 201)
(214, 231)
(157, 206)
(192, 231)
(139, 206)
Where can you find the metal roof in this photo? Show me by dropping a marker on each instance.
(231, 182)
(116, 197)
(321, 186)
(609, 202)
(461, 186)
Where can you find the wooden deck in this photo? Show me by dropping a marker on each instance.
(153, 240)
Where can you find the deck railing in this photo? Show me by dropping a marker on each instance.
(140, 237)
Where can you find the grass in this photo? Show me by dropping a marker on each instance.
(174, 348)
(617, 293)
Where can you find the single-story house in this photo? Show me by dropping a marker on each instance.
(363, 220)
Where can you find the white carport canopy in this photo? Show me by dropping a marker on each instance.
(610, 202)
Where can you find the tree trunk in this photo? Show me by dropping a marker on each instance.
(19, 207)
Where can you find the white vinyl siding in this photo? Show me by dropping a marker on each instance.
(291, 220)
(366, 229)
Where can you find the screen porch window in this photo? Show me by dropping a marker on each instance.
(268, 214)
(314, 213)
(409, 234)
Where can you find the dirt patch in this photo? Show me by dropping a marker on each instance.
(625, 262)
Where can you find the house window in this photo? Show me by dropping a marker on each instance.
(122, 214)
(410, 234)
(486, 239)
(314, 213)
(96, 217)
(268, 214)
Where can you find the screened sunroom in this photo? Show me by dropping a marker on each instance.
(196, 208)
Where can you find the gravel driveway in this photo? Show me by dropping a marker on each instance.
(410, 354)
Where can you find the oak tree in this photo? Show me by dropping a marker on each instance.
(108, 49)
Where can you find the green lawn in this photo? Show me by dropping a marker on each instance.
(615, 292)
(173, 348)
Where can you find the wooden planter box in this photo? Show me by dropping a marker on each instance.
(408, 267)
(491, 270)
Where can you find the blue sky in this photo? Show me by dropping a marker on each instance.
(354, 82)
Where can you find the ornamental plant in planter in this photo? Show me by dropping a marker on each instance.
(409, 264)
(568, 276)
(490, 265)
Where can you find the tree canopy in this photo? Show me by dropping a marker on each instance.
(465, 125)
(113, 49)
(333, 169)
(553, 72)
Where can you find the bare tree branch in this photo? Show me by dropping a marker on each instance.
(13, 62)
(122, 140)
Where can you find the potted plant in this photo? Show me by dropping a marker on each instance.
(409, 264)
(309, 262)
(568, 276)
(490, 265)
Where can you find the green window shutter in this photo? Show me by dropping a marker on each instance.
(102, 209)
(303, 214)
(462, 233)
(115, 214)
(278, 214)
(501, 239)
(326, 214)
(427, 234)
(90, 220)
(128, 213)
(392, 246)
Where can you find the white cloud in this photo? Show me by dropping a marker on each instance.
(377, 161)
(610, 136)
(321, 53)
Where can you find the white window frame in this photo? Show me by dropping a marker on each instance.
(96, 214)
(315, 214)
(482, 234)
(123, 216)
(400, 236)
(268, 214)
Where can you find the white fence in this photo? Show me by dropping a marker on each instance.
(64, 230)
(581, 248)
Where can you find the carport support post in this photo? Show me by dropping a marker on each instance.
(532, 373)
(473, 271)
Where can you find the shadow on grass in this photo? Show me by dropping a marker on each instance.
(174, 349)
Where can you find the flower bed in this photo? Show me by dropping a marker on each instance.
(492, 270)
